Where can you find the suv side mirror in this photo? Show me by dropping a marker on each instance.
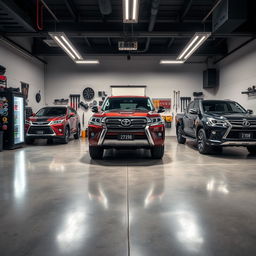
(33, 114)
(249, 111)
(161, 109)
(95, 109)
(193, 111)
(72, 114)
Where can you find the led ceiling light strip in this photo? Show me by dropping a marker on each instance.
(71, 47)
(195, 42)
(61, 39)
(187, 48)
(64, 47)
(171, 62)
(193, 45)
(130, 11)
(87, 62)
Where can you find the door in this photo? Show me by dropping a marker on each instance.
(73, 120)
(193, 118)
(18, 119)
(187, 119)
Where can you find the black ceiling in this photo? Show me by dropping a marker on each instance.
(93, 32)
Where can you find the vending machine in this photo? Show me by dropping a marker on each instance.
(12, 118)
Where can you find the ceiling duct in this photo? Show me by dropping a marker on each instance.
(229, 15)
(105, 7)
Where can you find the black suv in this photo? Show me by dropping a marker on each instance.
(217, 123)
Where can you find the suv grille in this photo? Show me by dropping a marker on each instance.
(40, 130)
(239, 123)
(135, 123)
(40, 123)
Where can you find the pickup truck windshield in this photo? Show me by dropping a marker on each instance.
(222, 107)
(52, 112)
(126, 104)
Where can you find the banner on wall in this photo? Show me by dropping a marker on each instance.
(163, 102)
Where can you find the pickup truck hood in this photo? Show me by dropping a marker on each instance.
(235, 116)
(45, 118)
(123, 113)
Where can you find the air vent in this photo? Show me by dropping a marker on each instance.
(128, 46)
(50, 43)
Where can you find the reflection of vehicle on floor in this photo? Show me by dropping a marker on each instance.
(126, 122)
(215, 124)
(53, 123)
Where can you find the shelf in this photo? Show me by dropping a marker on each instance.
(249, 93)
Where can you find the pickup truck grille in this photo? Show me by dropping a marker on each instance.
(135, 123)
(239, 123)
(235, 133)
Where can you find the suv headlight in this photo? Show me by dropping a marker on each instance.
(57, 121)
(155, 120)
(28, 122)
(96, 120)
(216, 122)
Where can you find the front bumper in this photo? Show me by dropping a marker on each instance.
(149, 137)
(45, 131)
(229, 136)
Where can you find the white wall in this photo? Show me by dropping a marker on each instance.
(237, 73)
(63, 78)
(21, 68)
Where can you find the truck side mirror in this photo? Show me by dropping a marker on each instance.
(95, 109)
(249, 111)
(161, 109)
(193, 111)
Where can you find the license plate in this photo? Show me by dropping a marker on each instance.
(246, 136)
(39, 132)
(125, 137)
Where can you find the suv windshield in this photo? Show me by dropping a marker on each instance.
(222, 107)
(126, 104)
(52, 112)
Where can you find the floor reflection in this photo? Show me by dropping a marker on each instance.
(20, 175)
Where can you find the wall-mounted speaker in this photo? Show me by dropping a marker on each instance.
(210, 78)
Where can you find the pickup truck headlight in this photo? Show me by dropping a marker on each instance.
(96, 120)
(216, 122)
(57, 121)
(28, 122)
(155, 120)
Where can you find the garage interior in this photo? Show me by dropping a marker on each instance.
(55, 199)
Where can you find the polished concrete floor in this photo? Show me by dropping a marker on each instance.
(55, 201)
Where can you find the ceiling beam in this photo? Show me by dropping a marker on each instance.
(136, 34)
(185, 9)
(72, 9)
(17, 14)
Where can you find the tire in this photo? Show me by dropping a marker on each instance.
(49, 141)
(180, 138)
(96, 152)
(30, 141)
(203, 148)
(65, 140)
(77, 135)
(157, 152)
(252, 150)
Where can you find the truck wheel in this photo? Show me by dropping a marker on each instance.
(30, 141)
(96, 152)
(180, 138)
(252, 150)
(157, 152)
(65, 140)
(203, 148)
(77, 135)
